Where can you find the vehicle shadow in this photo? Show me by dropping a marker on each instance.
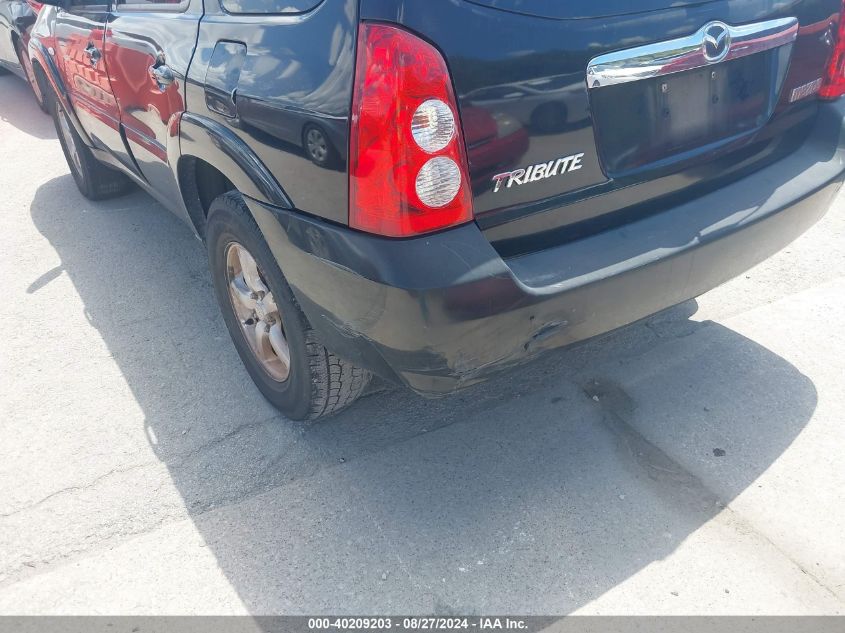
(536, 492)
(16, 106)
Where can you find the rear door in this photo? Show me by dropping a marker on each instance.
(148, 48)
(80, 30)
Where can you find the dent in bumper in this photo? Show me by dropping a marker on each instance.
(444, 311)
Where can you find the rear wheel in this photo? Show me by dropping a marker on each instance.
(95, 180)
(281, 352)
(29, 71)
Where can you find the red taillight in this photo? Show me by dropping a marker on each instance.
(407, 164)
(833, 85)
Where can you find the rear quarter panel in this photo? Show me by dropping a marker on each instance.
(297, 71)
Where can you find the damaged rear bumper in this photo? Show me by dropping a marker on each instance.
(443, 311)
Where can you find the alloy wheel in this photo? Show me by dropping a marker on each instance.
(257, 312)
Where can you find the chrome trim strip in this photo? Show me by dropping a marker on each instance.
(687, 53)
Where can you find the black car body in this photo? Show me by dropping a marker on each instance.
(610, 160)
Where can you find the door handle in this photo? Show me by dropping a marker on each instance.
(93, 53)
(162, 75)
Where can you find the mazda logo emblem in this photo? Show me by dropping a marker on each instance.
(717, 42)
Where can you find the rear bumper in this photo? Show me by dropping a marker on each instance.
(440, 312)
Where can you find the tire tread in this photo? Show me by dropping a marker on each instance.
(97, 181)
(335, 383)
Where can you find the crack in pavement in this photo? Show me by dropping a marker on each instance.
(183, 460)
(76, 488)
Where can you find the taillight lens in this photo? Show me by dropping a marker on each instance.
(407, 163)
(833, 86)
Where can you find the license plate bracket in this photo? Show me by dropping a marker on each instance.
(653, 120)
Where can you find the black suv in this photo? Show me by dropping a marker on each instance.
(433, 190)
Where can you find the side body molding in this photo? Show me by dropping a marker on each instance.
(212, 142)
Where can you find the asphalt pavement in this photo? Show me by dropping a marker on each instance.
(690, 463)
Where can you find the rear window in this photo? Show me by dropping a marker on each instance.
(281, 7)
(567, 9)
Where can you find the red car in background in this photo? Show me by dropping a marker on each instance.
(16, 20)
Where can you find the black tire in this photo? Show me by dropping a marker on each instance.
(31, 77)
(46, 90)
(319, 383)
(318, 148)
(95, 180)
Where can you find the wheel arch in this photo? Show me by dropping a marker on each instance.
(52, 83)
(200, 183)
(204, 141)
(17, 24)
